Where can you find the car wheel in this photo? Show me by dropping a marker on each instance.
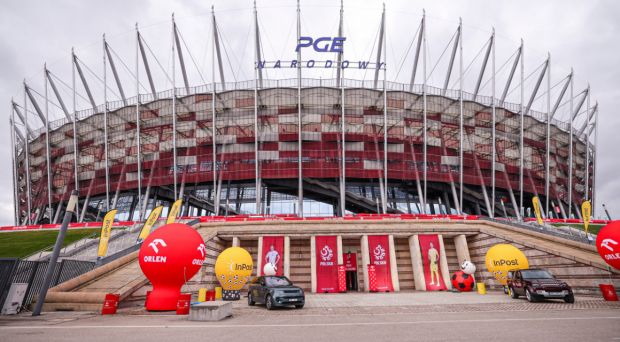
(530, 297)
(269, 302)
(512, 293)
(299, 306)
(251, 301)
(570, 298)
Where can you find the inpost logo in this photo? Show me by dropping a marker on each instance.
(504, 262)
(243, 267)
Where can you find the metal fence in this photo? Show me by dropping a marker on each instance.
(33, 272)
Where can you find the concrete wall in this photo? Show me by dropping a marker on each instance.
(403, 261)
(453, 263)
(300, 262)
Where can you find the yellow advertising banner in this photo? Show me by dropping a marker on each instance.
(106, 230)
(146, 229)
(586, 213)
(536, 204)
(174, 211)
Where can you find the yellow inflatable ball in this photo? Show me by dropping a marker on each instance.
(233, 268)
(502, 258)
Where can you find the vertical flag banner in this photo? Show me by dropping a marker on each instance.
(174, 211)
(273, 253)
(429, 246)
(536, 204)
(379, 248)
(146, 229)
(326, 264)
(586, 213)
(106, 230)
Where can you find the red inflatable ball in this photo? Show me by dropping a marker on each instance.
(608, 244)
(462, 281)
(168, 258)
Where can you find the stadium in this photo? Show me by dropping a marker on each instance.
(307, 146)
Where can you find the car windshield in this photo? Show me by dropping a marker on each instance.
(536, 274)
(277, 281)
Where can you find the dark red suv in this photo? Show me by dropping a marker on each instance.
(536, 283)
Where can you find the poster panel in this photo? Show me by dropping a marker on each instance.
(429, 246)
(273, 253)
(379, 248)
(326, 264)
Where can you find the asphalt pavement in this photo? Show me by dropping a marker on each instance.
(586, 320)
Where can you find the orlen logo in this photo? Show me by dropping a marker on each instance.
(156, 258)
(157, 242)
(322, 44)
(203, 251)
(610, 255)
(607, 242)
(503, 262)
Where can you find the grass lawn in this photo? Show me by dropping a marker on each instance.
(22, 244)
(592, 228)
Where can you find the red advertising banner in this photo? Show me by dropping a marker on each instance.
(350, 261)
(273, 253)
(326, 264)
(429, 246)
(379, 248)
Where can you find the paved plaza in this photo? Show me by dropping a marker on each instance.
(407, 316)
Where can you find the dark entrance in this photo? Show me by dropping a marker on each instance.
(350, 264)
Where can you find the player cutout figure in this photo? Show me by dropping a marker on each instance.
(272, 257)
(433, 258)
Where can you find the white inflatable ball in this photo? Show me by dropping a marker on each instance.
(269, 269)
(468, 267)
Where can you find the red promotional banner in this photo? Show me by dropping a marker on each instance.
(273, 253)
(350, 261)
(379, 248)
(326, 264)
(429, 246)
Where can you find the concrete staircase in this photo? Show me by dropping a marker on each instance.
(573, 261)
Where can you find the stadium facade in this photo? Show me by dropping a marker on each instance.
(307, 146)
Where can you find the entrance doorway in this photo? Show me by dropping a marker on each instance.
(350, 265)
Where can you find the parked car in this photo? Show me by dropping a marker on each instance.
(536, 283)
(274, 291)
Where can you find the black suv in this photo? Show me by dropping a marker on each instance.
(536, 283)
(275, 291)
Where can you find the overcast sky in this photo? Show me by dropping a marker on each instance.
(579, 34)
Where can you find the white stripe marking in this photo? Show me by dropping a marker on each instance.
(236, 326)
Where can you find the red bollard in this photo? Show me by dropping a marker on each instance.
(183, 304)
(609, 292)
(110, 304)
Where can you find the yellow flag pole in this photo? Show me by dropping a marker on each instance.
(106, 230)
(149, 223)
(174, 211)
